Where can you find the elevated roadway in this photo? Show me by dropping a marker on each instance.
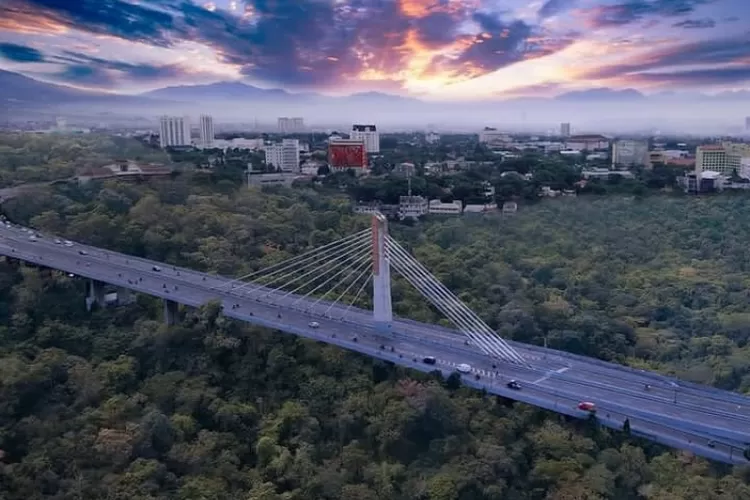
(704, 420)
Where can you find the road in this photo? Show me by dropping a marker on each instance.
(704, 420)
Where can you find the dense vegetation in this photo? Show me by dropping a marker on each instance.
(115, 405)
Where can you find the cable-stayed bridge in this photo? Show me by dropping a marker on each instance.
(318, 295)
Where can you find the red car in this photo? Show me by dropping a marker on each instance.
(586, 406)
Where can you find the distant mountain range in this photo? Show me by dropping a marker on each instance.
(216, 91)
(20, 90)
(602, 94)
(222, 91)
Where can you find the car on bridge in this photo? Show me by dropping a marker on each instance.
(429, 360)
(513, 384)
(313, 324)
(156, 268)
(464, 368)
(587, 406)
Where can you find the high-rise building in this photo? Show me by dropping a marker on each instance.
(565, 129)
(291, 125)
(369, 135)
(284, 155)
(174, 131)
(726, 159)
(747, 123)
(629, 153)
(206, 131)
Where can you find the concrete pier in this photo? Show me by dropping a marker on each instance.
(171, 312)
(95, 294)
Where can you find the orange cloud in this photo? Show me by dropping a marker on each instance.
(422, 8)
(25, 22)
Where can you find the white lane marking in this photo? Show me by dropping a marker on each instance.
(542, 379)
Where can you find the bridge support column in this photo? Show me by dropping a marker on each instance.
(124, 296)
(95, 294)
(381, 283)
(171, 312)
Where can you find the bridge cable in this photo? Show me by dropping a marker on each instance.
(329, 254)
(466, 328)
(428, 280)
(451, 305)
(477, 331)
(353, 269)
(347, 289)
(321, 269)
(456, 311)
(346, 265)
(346, 311)
(300, 258)
(312, 260)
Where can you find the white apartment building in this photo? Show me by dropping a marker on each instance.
(725, 158)
(432, 138)
(272, 179)
(493, 137)
(239, 143)
(587, 142)
(480, 209)
(628, 153)
(207, 131)
(369, 134)
(370, 209)
(412, 207)
(439, 208)
(284, 155)
(174, 131)
(291, 125)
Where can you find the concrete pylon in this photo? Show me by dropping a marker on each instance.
(124, 296)
(95, 294)
(171, 312)
(381, 284)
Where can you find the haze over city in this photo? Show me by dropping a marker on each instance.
(679, 64)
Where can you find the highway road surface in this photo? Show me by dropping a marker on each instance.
(704, 420)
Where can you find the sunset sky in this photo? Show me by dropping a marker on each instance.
(441, 49)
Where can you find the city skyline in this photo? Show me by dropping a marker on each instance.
(433, 49)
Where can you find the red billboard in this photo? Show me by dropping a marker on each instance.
(347, 155)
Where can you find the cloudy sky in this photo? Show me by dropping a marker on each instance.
(441, 49)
